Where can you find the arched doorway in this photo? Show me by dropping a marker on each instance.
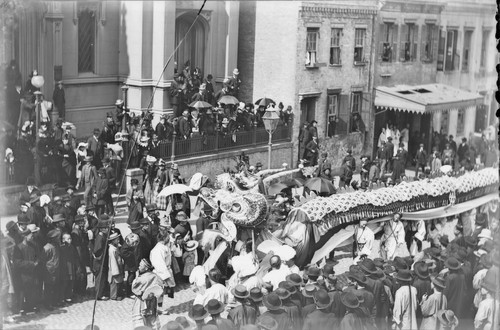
(194, 47)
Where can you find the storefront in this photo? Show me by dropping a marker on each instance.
(425, 109)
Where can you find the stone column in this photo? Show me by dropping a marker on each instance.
(232, 11)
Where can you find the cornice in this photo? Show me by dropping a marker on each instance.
(329, 9)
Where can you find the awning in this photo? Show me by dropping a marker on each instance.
(424, 98)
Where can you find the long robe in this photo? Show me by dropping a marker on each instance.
(139, 286)
(456, 293)
(434, 303)
(351, 321)
(404, 312)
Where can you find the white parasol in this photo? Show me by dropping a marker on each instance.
(268, 245)
(174, 189)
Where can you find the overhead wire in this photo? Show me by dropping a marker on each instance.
(134, 142)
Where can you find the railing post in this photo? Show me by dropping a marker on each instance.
(254, 138)
(172, 157)
(290, 127)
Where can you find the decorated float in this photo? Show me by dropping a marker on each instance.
(324, 221)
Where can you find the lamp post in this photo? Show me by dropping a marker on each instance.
(125, 135)
(270, 119)
(37, 81)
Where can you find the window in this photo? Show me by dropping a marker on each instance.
(86, 37)
(429, 35)
(484, 48)
(441, 44)
(452, 58)
(359, 43)
(461, 122)
(312, 45)
(409, 37)
(467, 51)
(335, 47)
(388, 43)
(356, 99)
(332, 113)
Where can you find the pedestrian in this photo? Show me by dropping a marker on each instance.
(346, 175)
(189, 257)
(243, 313)
(51, 257)
(276, 275)
(291, 309)
(303, 140)
(59, 100)
(399, 161)
(68, 163)
(363, 241)
(116, 270)
(135, 201)
(487, 313)
(183, 227)
(276, 312)
(198, 313)
(463, 148)
(352, 318)
(431, 304)
(214, 307)
(393, 237)
(87, 179)
(102, 195)
(80, 241)
(161, 260)
(456, 288)
(111, 175)
(146, 282)
(26, 260)
(71, 268)
(100, 265)
(389, 153)
(95, 148)
(405, 302)
(312, 150)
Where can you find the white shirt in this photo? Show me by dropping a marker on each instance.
(402, 314)
(397, 234)
(161, 259)
(216, 291)
(365, 238)
(276, 276)
(419, 227)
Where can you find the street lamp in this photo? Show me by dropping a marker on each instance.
(270, 119)
(37, 81)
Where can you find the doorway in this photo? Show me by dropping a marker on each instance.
(308, 109)
(193, 49)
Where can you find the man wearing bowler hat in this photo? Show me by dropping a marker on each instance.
(154, 222)
(30, 189)
(456, 288)
(275, 311)
(101, 258)
(243, 313)
(321, 318)
(96, 148)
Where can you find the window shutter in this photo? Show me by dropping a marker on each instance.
(366, 109)
(343, 114)
(382, 35)
(394, 42)
(456, 50)
(423, 43)
(415, 43)
(441, 49)
(404, 37)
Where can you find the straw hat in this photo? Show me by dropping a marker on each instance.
(191, 245)
(447, 318)
(240, 291)
(349, 299)
(215, 307)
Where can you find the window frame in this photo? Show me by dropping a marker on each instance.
(309, 32)
(359, 107)
(362, 59)
(336, 104)
(484, 48)
(460, 122)
(453, 66)
(429, 38)
(409, 42)
(91, 8)
(466, 53)
(336, 46)
(389, 37)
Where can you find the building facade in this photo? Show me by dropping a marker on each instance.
(96, 47)
(430, 48)
(318, 58)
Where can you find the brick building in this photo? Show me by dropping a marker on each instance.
(428, 73)
(316, 57)
(96, 46)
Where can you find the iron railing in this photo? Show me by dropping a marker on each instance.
(209, 144)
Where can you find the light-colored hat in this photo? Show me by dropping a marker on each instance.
(225, 120)
(119, 102)
(32, 228)
(83, 144)
(151, 159)
(44, 200)
(191, 245)
(235, 71)
(203, 87)
(241, 105)
(226, 81)
(113, 236)
(118, 137)
(285, 252)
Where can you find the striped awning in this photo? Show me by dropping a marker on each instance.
(424, 98)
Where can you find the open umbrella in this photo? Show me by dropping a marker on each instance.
(276, 188)
(320, 185)
(268, 246)
(295, 182)
(264, 102)
(200, 105)
(174, 189)
(228, 99)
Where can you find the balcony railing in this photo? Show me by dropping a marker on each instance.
(209, 144)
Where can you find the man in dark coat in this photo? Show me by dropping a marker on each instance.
(456, 288)
(312, 150)
(463, 148)
(27, 265)
(141, 228)
(276, 312)
(111, 176)
(51, 271)
(161, 129)
(420, 159)
(59, 99)
(184, 126)
(80, 240)
(109, 130)
(453, 144)
(30, 189)
(101, 258)
(321, 318)
(234, 83)
(36, 214)
(389, 153)
(154, 222)
(96, 148)
(131, 254)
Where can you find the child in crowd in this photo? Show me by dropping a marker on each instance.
(189, 258)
